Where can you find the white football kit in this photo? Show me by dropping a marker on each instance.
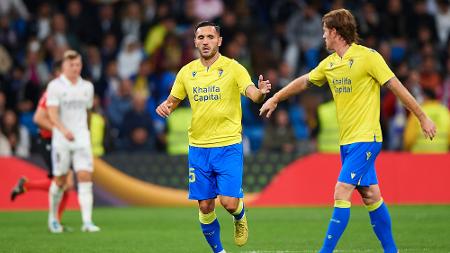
(73, 101)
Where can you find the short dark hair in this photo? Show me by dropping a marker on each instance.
(207, 23)
(429, 93)
(56, 66)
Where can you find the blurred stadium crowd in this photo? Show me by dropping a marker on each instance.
(132, 51)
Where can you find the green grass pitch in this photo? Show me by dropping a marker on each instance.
(166, 230)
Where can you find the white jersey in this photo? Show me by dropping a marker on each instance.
(73, 101)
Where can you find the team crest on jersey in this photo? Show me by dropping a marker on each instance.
(331, 65)
(350, 63)
(194, 73)
(220, 72)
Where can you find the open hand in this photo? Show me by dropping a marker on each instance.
(268, 107)
(428, 128)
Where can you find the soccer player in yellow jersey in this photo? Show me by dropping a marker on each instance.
(355, 75)
(214, 84)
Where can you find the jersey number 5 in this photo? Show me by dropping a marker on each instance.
(191, 175)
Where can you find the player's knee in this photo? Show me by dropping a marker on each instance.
(60, 181)
(343, 191)
(84, 176)
(206, 206)
(229, 204)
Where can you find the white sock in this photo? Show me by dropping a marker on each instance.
(86, 201)
(54, 198)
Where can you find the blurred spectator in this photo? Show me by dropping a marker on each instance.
(17, 6)
(63, 37)
(131, 20)
(109, 48)
(394, 21)
(157, 33)
(97, 127)
(414, 140)
(119, 103)
(106, 24)
(141, 80)
(137, 129)
(328, 137)
(177, 131)
(279, 135)
(304, 39)
(148, 11)
(110, 83)
(429, 75)
(207, 9)
(130, 56)
(368, 20)
(443, 21)
(228, 26)
(94, 65)
(8, 36)
(421, 18)
(172, 56)
(76, 21)
(17, 135)
(42, 23)
(5, 148)
(5, 61)
(2, 103)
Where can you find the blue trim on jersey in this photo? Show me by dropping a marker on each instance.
(358, 163)
(216, 171)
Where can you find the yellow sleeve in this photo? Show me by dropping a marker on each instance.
(242, 77)
(377, 67)
(410, 133)
(317, 75)
(178, 89)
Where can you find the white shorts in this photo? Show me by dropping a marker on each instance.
(79, 158)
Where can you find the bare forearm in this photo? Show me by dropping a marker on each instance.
(174, 102)
(296, 86)
(54, 119)
(255, 94)
(259, 98)
(406, 98)
(42, 119)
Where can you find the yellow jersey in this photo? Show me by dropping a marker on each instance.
(215, 96)
(355, 81)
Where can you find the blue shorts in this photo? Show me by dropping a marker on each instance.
(216, 171)
(358, 163)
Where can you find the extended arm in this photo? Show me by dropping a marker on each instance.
(296, 86)
(168, 106)
(427, 125)
(257, 95)
(53, 114)
(42, 119)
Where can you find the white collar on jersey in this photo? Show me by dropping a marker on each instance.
(66, 80)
